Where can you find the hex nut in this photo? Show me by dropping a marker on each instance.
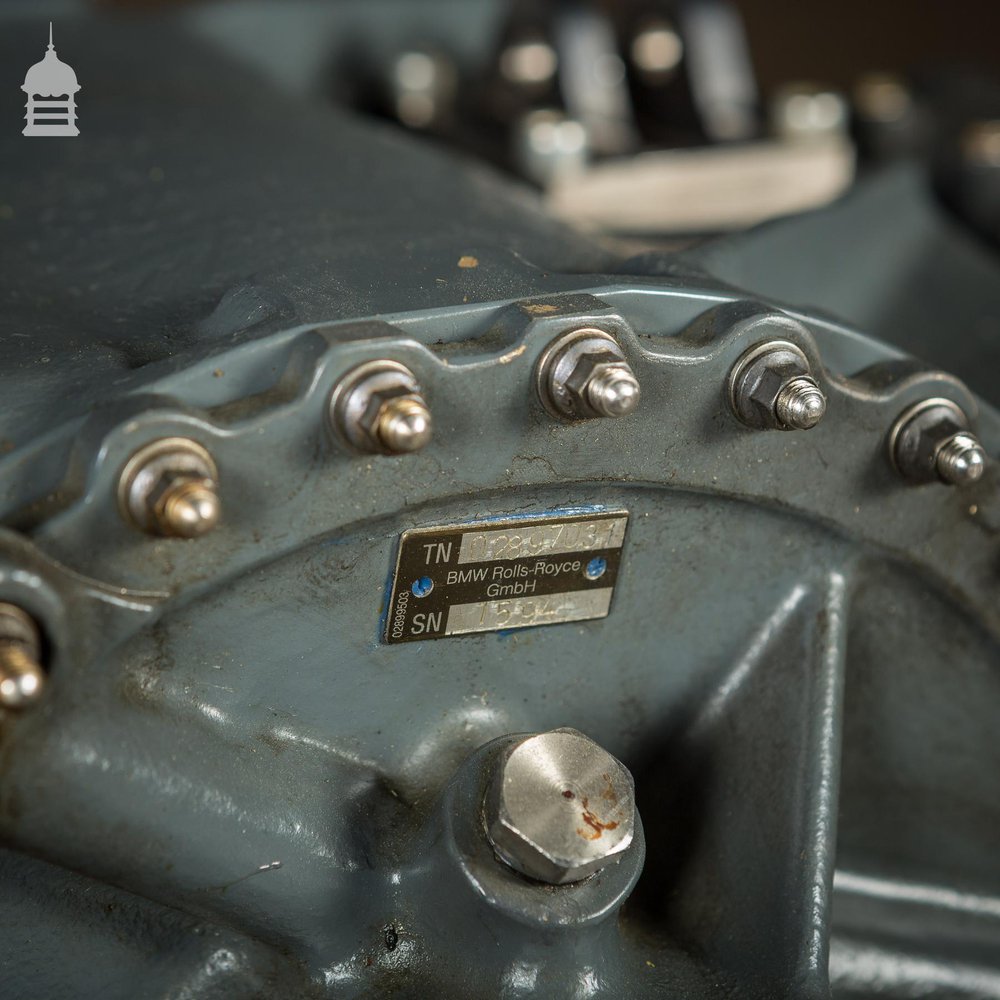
(169, 487)
(931, 442)
(559, 807)
(583, 374)
(378, 408)
(771, 388)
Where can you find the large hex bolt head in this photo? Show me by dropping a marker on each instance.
(559, 807)
(771, 388)
(378, 408)
(170, 487)
(931, 442)
(584, 374)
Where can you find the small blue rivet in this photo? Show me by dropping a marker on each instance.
(423, 586)
(595, 568)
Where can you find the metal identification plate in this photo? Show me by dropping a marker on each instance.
(492, 575)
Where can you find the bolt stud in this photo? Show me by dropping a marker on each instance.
(378, 408)
(404, 424)
(583, 374)
(960, 460)
(613, 392)
(772, 388)
(800, 404)
(170, 488)
(559, 807)
(190, 508)
(22, 677)
(931, 442)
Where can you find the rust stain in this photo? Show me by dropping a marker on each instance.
(467, 260)
(594, 823)
(539, 309)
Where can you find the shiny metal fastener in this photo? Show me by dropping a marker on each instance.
(804, 111)
(559, 807)
(771, 388)
(170, 488)
(931, 442)
(379, 408)
(22, 678)
(584, 374)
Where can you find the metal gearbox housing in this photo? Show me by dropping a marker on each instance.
(232, 786)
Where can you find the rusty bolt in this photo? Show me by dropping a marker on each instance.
(584, 374)
(378, 408)
(559, 807)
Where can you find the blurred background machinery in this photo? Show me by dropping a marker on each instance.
(501, 500)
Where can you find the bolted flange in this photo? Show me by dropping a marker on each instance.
(22, 678)
(771, 388)
(379, 408)
(931, 442)
(559, 807)
(170, 488)
(584, 374)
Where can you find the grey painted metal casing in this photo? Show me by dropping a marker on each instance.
(233, 788)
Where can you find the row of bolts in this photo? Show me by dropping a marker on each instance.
(170, 486)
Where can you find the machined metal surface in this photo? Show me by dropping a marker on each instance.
(960, 460)
(234, 787)
(560, 807)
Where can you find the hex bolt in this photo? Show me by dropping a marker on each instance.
(559, 807)
(170, 488)
(22, 678)
(378, 408)
(772, 388)
(584, 374)
(931, 442)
